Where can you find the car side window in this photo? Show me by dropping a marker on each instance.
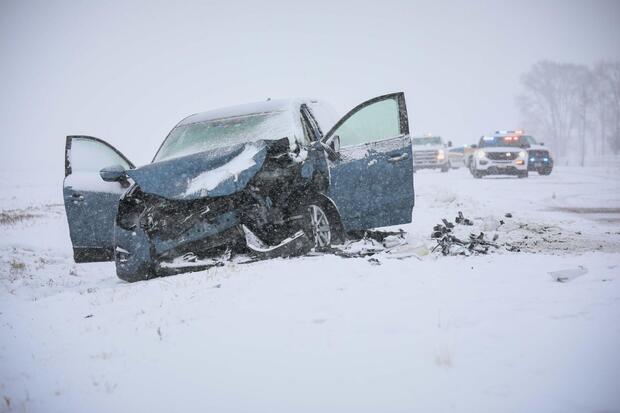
(88, 155)
(379, 120)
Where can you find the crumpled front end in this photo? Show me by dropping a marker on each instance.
(164, 225)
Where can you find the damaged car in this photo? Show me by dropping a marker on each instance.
(274, 178)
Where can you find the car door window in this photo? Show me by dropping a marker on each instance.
(378, 120)
(88, 155)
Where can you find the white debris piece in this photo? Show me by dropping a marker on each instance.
(569, 274)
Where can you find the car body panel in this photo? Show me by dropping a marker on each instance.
(90, 203)
(372, 183)
(218, 172)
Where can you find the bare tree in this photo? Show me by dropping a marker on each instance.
(584, 89)
(576, 109)
(608, 87)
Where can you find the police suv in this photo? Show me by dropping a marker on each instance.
(500, 154)
(539, 158)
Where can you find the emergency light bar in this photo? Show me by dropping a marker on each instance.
(509, 132)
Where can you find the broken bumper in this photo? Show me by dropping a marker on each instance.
(287, 247)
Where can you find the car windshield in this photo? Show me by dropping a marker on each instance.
(436, 140)
(201, 136)
(512, 141)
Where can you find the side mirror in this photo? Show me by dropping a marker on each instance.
(114, 173)
(474, 146)
(334, 143)
(332, 147)
(542, 144)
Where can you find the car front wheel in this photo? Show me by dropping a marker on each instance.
(475, 172)
(319, 228)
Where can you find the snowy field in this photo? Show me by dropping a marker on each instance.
(428, 333)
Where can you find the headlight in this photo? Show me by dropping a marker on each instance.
(480, 154)
(440, 154)
(522, 154)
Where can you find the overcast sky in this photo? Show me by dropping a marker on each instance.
(127, 71)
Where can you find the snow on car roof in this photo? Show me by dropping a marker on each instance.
(289, 108)
(267, 106)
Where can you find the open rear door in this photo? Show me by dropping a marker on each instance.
(90, 202)
(371, 182)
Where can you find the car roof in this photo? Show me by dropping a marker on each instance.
(266, 106)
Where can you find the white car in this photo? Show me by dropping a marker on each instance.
(430, 152)
(456, 156)
(499, 154)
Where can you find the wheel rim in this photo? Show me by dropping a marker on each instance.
(321, 230)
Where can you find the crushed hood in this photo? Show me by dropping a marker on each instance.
(213, 173)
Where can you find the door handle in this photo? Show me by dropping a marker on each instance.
(77, 197)
(398, 158)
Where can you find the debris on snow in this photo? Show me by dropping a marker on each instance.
(460, 219)
(388, 244)
(448, 243)
(374, 261)
(567, 275)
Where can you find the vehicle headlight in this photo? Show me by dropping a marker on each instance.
(480, 154)
(522, 154)
(440, 154)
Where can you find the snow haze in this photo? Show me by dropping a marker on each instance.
(528, 322)
(128, 71)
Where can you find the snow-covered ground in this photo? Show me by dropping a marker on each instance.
(486, 333)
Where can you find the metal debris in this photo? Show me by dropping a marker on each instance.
(449, 244)
(563, 276)
(460, 219)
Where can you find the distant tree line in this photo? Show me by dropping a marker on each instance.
(574, 109)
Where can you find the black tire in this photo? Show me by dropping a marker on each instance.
(322, 225)
(545, 171)
(474, 172)
(446, 167)
(523, 174)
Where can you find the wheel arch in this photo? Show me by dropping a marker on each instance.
(333, 214)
